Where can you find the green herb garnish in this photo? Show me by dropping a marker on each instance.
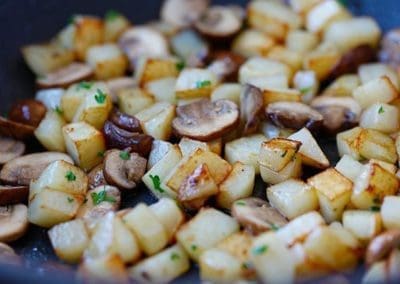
(100, 154)
(180, 65)
(375, 208)
(70, 176)
(72, 19)
(381, 110)
(111, 15)
(101, 197)
(260, 250)
(274, 227)
(84, 85)
(59, 110)
(342, 2)
(125, 155)
(100, 96)
(284, 154)
(175, 256)
(305, 90)
(193, 247)
(203, 84)
(240, 203)
(70, 200)
(157, 183)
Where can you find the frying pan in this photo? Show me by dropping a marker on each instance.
(28, 21)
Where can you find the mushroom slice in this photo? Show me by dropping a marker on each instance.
(123, 169)
(390, 52)
(125, 121)
(10, 149)
(13, 222)
(22, 170)
(65, 76)
(182, 13)
(340, 113)
(382, 245)
(219, 23)
(15, 129)
(13, 194)
(294, 115)
(205, 120)
(225, 65)
(256, 215)
(29, 112)
(251, 106)
(8, 255)
(96, 177)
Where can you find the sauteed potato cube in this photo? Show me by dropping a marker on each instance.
(373, 144)
(114, 25)
(343, 86)
(301, 41)
(322, 59)
(188, 146)
(262, 67)
(303, 6)
(159, 149)
(252, 42)
(346, 142)
(195, 83)
(277, 153)
(390, 211)
(274, 82)
(291, 58)
(227, 91)
(349, 167)
(371, 71)
(291, 170)
(219, 266)
(381, 117)
(163, 90)
(151, 69)
(273, 95)
(308, 85)
(106, 268)
(376, 273)
(133, 100)
(49, 131)
(364, 225)
(238, 245)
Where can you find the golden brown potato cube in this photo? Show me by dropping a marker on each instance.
(133, 100)
(382, 117)
(301, 41)
(333, 191)
(291, 170)
(371, 71)
(195, 83)
(256, 67)
(291, 58)
(188, 146)
(390, 212)
(322, 59)
(273, 95)
(49, 131)
(107, 61)
(84, 143)
(114, 25)
(251, 42)
(238, 245)
(276, 153)
(349, 167)
(343, 86)
(227, 91)
(163, 90)
(346, 142)
(151, 69)
(364, 225)
(303, 6)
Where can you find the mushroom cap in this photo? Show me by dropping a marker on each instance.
(8, 255)
(96, 177)
(251, 107)
(13, 194)
(28, 111)
(225, 65)
(390, 52)
(382, 245)
(182, 13)
(205, 120)
(125, 121)
(10, 149)
(13, 222)
(14, 129)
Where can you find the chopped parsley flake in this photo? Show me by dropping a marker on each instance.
(71, 20)
(342, 2)
(111, 15)
(59, 110)
(157, 183)
(101, 197)
(175, 256)
(375, 208)
(381, 110)
(260, 250)
(124, 155)
(193, 247)
(274, 227)
(180, 65)
(100, 154)
(70, 176)
(203, 84)
(305, 90)
(284, 154)
(70, 200)
(100, 96)
(84, 85)
(246, 265)
(240, 203)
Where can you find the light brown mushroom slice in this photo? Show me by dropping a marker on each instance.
(8, 255)
(13, 222)
(13, 194)
(182, 13)
(14, 129)
(10, 149)
(205, 120)
(123, 169)
(294, 115)
(382, 245)
(65, 76)
(256, 215)
(251, 107)
(22, 170)
(96, 177)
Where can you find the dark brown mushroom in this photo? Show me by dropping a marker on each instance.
(65, 76)
(8, 255)
(22, 170)
(225, 65)
(15, 130)
(96, 177)
(123, 169)
(390, 52)
(182, 13)
(13, 194)
(205, 120)
(121, 139)
(125, 121)
(13, 222)
(340, 113)
(256, 215)
(28, 112)
(251, 107)
(382, 245)
(294, 115)
(10, 149)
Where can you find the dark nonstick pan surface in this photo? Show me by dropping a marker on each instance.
(28, 21)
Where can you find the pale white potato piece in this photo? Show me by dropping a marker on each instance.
(365, 225)
(227, 91)
(345, 142)
(114, 25)
(133, 100)
(301, 41)
(349, 167)
(163, 90)
(272, 82)
(151, 69)
(125, 244)
(188, 146)
(195, 83)
(371, 71)
(252, 42)
(323, 14)
(306, 82)
(159, 149)
(291, 58)
(262, 67)
(303, 6)
(390, 212)
(376, 273)
(49, 132)
(51, 98)
(382, 117)
(343, 86)
(291, 170)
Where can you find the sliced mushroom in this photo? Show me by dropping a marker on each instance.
(205, 120)
(121, 139)
(182, 13)
(65, 76)
(219, 23)
(117, 84)
(125, 121)
(251, 107)
(382, 245)
(96, 177)
(29, 112)
(10, 149)
(15, 129)
(225, 65)
(294, 115)
(13, 222)
(13, 194)
(340, 113)
(8, 255)
(256, 215)
(123, 169)
(22, 170)
(390, 52)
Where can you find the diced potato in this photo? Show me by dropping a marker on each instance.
(346, 142)
(162, 267)
(188, 146)
(272, 260)
(351, 33)
(107, 61)
(371, 71)
(386, 166)
(49, 131)
(219, 266)
(84, 143)
(293, 198)
(216, 146)
(301, 41)
(163, 90)
(156, 120)
(343, 86)
(159, 149)
(69, 240)
(303, 6)
(239, 184)
(382, 117)
(195, 83)
(307, 83)
(219, 168)
(277, 153)
(94, 109)
(169, 214)
(322, 59)
(150, 232)
(239, 245)
(372, 185)
(227, 91)
(251, 42)
(349, 167)
(150, 69)
(274, 82)
(311, 153)
(273, 18)
(279, 95)
(125, 242)
(133, 100)
(333, 191)
(45, 58)
(291, 170)
(390, 212)
(364, 225)
(379, 90)
(205, 230)
(373, 144)
(262, 67)
(291, 58)
(376, 273)
(114, 25)
(51, 98)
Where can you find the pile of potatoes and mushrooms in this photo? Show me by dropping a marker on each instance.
(200, 108)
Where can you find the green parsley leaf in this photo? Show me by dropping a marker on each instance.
(305, 90)
(100, 96)
(375, 208)
(246, 265)
(70, 200)
(381, 110)
(180, 65)
(111, 15)
(70, 176)
(101, 197)
(240, 203)
(100, 154)
(175, 256)
(342, 2)
(72, 19)
(284, 154)
(59, 111)
(203, 84)
(260, 250)
(193, 247)
(157, 183)
(274, 227)
(125, 155)
(84, 85)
